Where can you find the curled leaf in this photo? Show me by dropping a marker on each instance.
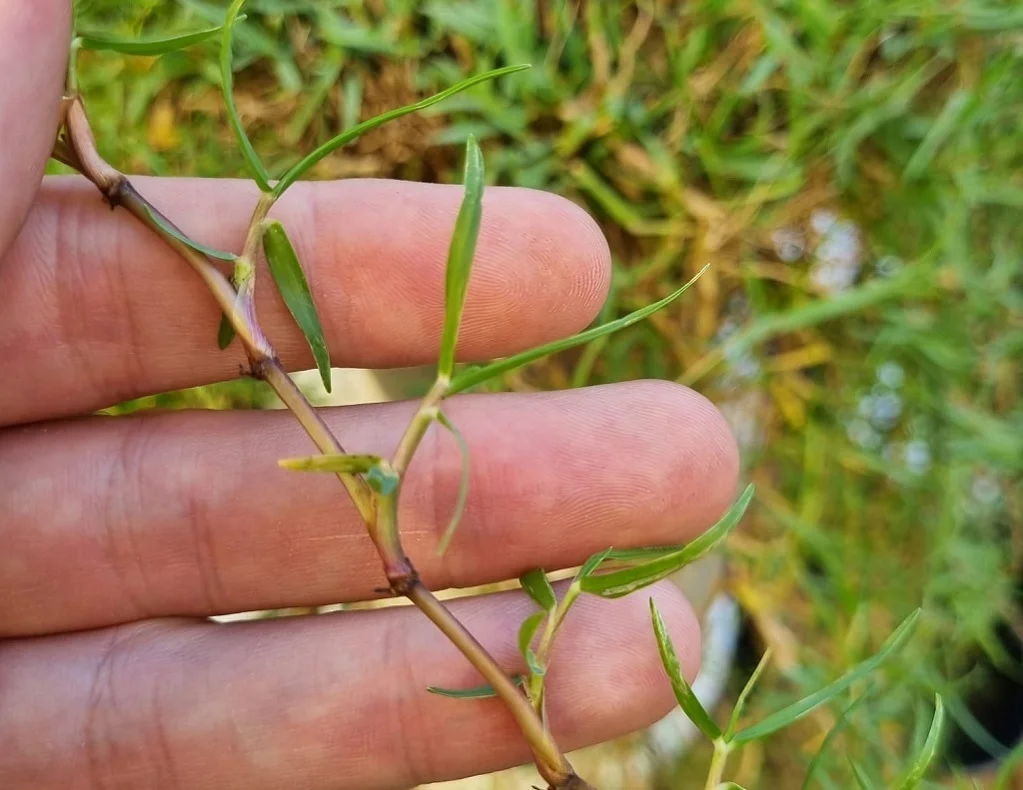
(144, 47)
(526, 633)
(538, 587)
(472, 378)
(460, 255)
(929, 749)
(463, 486)
(294, 289)
(687, 699)
(624, 581)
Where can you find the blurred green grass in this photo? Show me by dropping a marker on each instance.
(853, 171)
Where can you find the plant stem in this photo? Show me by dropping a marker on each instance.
(378, 512)
(717, 764)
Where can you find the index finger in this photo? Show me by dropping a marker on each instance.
(98, 309)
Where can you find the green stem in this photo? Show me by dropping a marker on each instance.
(543, 650)
(717, 764)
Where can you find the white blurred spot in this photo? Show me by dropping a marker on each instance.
(891, 375)
(917, 456)
(789, 244)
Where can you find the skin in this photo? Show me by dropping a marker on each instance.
(122, 535)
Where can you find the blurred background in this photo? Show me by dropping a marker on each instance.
(853, 172)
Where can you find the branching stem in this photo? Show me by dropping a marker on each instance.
(78, 150)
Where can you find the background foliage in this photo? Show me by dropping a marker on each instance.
(853, 171)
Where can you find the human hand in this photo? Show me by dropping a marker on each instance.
(122, 535)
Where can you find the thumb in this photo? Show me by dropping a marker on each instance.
(34, 41)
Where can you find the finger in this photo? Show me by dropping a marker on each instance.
(115, 519)
(98, 309)
(34, 39)
(336, 701)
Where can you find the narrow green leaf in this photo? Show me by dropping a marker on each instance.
(355, 132)
(538, 587)
(294, 289)
(151, 46)
(863, 781)
(472, 378)
(335, 464)
(463, 486)
(477, 692)
(740, 703)
(683, 692)
(730, 786)
(256, 168)
(171, 230)
(929, 749)
(460, 255)
(797, 710)
(383, 479)
(834, 732)
(618, 583)
(226, 333)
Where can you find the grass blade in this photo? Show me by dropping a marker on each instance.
(630, 579)
(165, 225)
(256, 168)
(929, 750)
(460, 255)
(148, 47)
(683, 691)
(591, 565)
(472, 378)
(294, 289)
(463, 486)
(797, 710)
(476, 692)
(296, 172)
(538, 587)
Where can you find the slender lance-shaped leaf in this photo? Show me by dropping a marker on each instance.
(472, 378)
(171, 230)
(683, 692)
(476, 692)
(291, 282)
(526, 633)
(460, 255)
(627, 580)
(740, 703)
(538, 587)
(335, 464)
(929, 749)
(150, 46)
(797, 710)
(863, 781)
(296, 172)
(463, 486)
(256, 168)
